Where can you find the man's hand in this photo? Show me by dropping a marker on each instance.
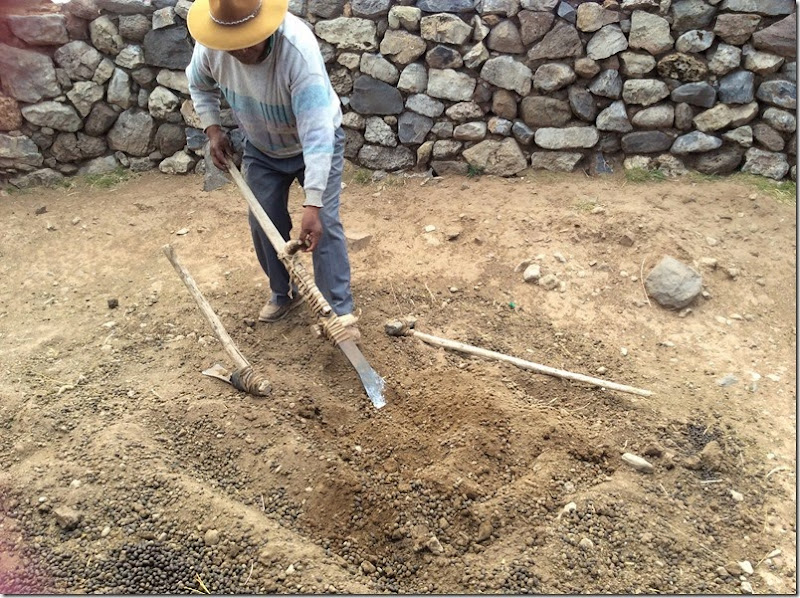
(310, 228)
(221, 147)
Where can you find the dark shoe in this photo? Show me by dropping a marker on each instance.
(272, 312)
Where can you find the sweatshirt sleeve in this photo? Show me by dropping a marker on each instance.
(203, 88)
(311, 105)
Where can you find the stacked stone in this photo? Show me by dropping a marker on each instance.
(494, 86)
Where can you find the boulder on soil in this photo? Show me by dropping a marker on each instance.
(673, 284)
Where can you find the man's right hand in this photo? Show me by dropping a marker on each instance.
(221, 147)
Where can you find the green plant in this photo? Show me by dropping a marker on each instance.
(362, 176)
(108, 179)
(782, 191)
(474, 171)
(644, 175)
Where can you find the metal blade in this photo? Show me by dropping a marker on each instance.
(218, 372)
(372, 382)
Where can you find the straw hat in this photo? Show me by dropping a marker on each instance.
(234, 24)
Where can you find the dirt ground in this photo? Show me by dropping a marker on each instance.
(123, 469)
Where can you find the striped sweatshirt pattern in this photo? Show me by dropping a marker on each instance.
(285, 104)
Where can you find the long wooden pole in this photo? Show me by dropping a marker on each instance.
(219, 330)
(521, 363)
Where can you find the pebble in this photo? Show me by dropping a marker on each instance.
(601, 370)
(434, 545)
(586, 544)
(532, 273)
(183, 231)
(105, 532)
(211, 537)
(367, 567)
(549, 282)
(736, 496)
(430, 228)
(559, 257)
(624, 351)
(638, 463)
(75, 484)
(747, 567)
(485, 531)
(727, 380)
(747, 588)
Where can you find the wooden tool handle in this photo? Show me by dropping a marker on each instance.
(275, 238)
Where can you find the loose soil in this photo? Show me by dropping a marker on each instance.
(123, 469)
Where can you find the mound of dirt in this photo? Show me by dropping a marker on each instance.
(124, 470)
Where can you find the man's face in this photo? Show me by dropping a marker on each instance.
(249, 55)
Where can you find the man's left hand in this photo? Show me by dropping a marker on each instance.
(310, 228)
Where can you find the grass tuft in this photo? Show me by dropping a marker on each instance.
(108, 180)
(644, 175)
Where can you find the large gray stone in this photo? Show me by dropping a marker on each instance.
(370, 9)
(684, 116)
(55, 115)
(644, 91)
(691, 14)
(507, 8)
(722, 161)
(768, 164)
(761, 63)
(456, 6)
(119, 90)
(695, 142)
(445, 149)
(552, 76)
(348, 33)
(378, 131)
(522, 132)
(328, 9)
(505, 38)
(18, 149)
(502, 158)
(555, 161)
(607, 84)
(769, 8)
(377, 157)
(473, 131)
(127, 7)
(407, 17)
(413, 128)
(84, 94)
(635, 64)
(614, 118)
(172, 138)
(656, 117)
(605, 43)
(673, 284)
(476, 56)
(646, 142)
(768, 137)
(100, 119)
(97, 166)
(379, 68)
(413, 79)
(464, 111)
(695, 41)
(173, 80)
(40, 30)
(779, 38)
(737, 88)
(724, 59)
(401, 46)
(534, 25)
(566, 138)
(371, 96)
(507, 73)
(780, 120)
(592, 17)
(741, 135)
(542, 5)
(582, 103)
(696, 94)
(133, 133)
(444, 29)
(778, 93)
(162, 102)
(130, 57)
(562, 41)
(650, 32)
(105, 35)
(83, 9)
(78, 59)
(442, 57)
(540, 111)
(168, 48)
(27, 76)
(134, 27)
(44, 177)
(714, 119)
(735, 28)
(682, 67)
(448, 84)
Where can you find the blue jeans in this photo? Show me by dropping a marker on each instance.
(270, 179)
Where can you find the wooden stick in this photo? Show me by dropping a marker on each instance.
(205, 308)
(278, 242)
(521, 363)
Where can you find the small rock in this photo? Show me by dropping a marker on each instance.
(113, 303)
(586, 544)
(75, 484)
(747, 567)
(548, 282)
(747, 588)
(211, 537)
(434, 545)
(485, 531)
(727, 380)
(430, 228)
(638, 463)
(532, 273)
(624, 351)
(183, 231)
(105, 532)
(367, 567)
(711, 455)
(67, 517)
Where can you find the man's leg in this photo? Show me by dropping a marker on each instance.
(331, 264)
(270, 179)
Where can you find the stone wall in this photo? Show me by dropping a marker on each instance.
(492, 86)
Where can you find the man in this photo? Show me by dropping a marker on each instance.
(267, 64)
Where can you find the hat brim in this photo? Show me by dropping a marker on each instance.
(235, 37)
